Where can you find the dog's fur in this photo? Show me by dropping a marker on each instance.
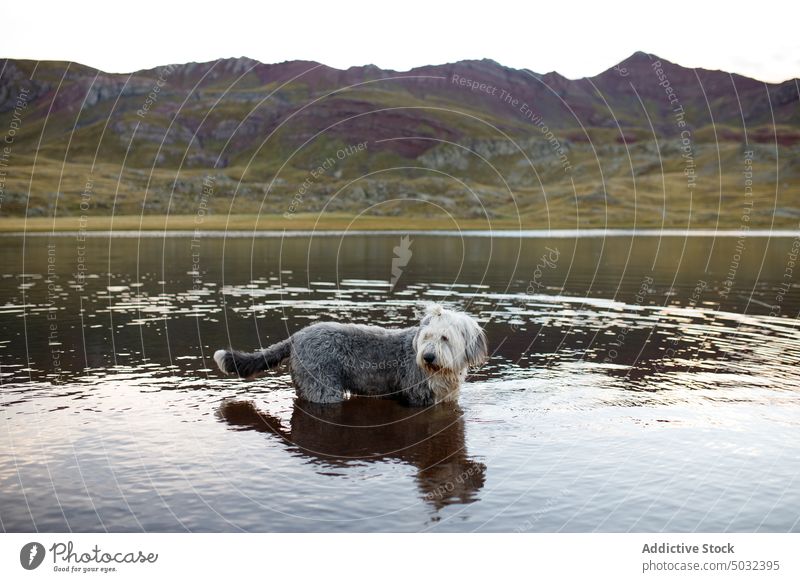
(420, 365)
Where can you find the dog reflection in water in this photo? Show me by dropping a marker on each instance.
(367, 429)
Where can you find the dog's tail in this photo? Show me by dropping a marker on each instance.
(246, 365)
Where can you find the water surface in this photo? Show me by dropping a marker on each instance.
(636, 383)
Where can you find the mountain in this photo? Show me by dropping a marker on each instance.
(645, 143)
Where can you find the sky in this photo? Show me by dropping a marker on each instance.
(760, 39)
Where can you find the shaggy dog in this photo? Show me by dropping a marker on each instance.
(420, 365)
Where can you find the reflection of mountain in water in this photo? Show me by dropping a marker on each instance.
(367, 430)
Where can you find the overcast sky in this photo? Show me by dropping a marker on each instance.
(757, 38)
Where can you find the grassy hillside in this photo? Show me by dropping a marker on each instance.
(292, 142)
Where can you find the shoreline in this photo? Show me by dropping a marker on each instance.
(332, 225)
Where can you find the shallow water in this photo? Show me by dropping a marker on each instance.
(637, 383)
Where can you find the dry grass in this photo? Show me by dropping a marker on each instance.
(247, 222)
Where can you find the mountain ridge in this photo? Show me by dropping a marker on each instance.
(255, 62)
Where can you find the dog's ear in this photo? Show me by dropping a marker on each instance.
(429, 311)
(477, 349)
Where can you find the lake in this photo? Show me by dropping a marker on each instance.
(637, 382)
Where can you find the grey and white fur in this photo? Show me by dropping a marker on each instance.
(421, 365)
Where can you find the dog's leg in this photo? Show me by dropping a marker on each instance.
(419, 396)
(315, 386)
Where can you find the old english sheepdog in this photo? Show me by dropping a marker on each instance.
(421, 365)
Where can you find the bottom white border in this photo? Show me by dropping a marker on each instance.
(407, 557)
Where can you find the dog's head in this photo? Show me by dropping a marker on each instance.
(449, 341)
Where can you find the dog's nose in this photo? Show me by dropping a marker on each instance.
(429, 357)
